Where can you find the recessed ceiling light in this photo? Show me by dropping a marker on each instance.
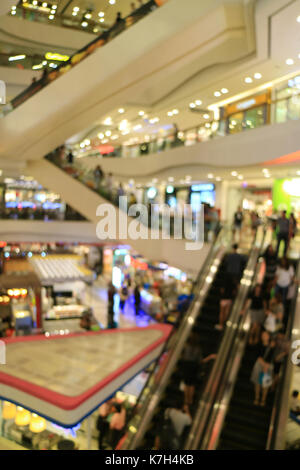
(217, 93)
(54, 7)
(108, 133)
(108, 121)
(121, 110)
(101, 135)
(51, 17)
(101, 14)
(14, 7)
(206, 116)
(248, 80)
(141, 113)
(45, 5)
(198, 102)
(265, 170)
(207, 125)
(101, 20)
(218, 178)
(240, 177)
(192, 105)
(170, 113)
(34, 2)
(289, 62)
(84, 24)
(88, 16)
(76, 9)
(224, 91)
(13, 12)
(74, 13)
(175, 111)
(257, 76)
(234, 173)
(210, 175)
(112, 2)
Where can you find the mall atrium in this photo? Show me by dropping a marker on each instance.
(149, 232)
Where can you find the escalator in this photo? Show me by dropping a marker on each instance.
(246, 426)
(209, 340)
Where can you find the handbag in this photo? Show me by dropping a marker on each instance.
(265, 379)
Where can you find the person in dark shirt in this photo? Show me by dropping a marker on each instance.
(137, 299)
(227, 294)
(110, 312)
(262, 372)
(271, 263)
(235, 263)
(283, 230)
(258, 307)
(237, 222)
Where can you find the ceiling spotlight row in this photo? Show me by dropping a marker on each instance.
(257, 76)
(219, 93)
(195, 104)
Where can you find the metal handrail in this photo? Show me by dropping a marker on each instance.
(206, 407)
(140, 423)
(280, 411)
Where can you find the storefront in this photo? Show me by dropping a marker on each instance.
(248, 114)
(195, 195)
(286, 196)
(287, 100)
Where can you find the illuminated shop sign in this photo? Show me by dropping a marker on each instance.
(56, 56)
(246, 104)
(203, 187)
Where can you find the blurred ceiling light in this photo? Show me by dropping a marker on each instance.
(175, 111)
(217, 93)
(16, 57)
(218, 178)
(112, 2)
(257, 76)
(115, 137)
(141, 113)
(210, 175)
(234, 173)
(248, 80)
(198, 102)
(298, 19)
(206, 116)
(224, 91)
(37, 67)
(108, 121)
(14, 7)
(74, 13)
(88, 16)
(108, 133)
(101, 135)
(54, 7)
(137, 127)
(289, 62)
(34, 2)
(121, 110)
(171, 179)
(123, 125)
(45, 5)
(84, 24)
(240, 177)
(101, 14)
(192, 105)
(51, 17)
(13, 12)
(170, 113)
(76, 9)
(101, 20)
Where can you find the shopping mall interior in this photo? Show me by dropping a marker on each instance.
(149, 225)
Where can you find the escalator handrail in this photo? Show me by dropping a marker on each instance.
(135, 433)
(206, 404)
(139, 13)
(230, 375)
(280, 411)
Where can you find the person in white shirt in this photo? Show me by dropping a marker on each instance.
(284, 277)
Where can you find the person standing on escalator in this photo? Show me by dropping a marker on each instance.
(234, 265)
(262, 372)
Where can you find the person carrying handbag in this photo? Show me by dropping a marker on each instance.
(262, 372)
